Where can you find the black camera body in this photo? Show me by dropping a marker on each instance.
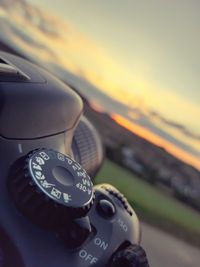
(51, 215)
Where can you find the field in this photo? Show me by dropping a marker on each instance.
(153, 205)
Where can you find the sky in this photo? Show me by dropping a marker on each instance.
(156, 44)
(143, 55)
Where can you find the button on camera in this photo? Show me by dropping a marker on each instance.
(106, 208)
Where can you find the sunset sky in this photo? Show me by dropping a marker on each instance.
(153, 47)
(143, 54)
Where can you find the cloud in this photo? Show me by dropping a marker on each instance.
(173, 124)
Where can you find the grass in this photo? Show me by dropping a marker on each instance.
(151, 204)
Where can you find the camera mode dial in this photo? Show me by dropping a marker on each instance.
(49, 186)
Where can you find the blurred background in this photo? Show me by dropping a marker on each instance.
(136, 66)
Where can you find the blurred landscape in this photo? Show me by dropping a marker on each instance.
(155, 168)
(151, 163)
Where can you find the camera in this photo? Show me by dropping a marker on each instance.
(51, 214)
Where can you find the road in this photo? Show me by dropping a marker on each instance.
(164, 250)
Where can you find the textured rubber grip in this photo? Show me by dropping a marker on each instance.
(87, 147)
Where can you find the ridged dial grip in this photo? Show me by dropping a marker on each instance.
(132, 256)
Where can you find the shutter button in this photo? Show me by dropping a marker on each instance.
(106, 208)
